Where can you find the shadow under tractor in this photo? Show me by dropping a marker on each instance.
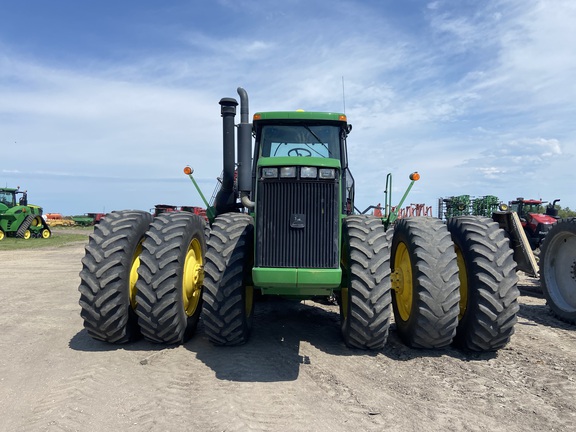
(286, 226)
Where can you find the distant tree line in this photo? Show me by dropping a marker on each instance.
(565, 212)
(562, 212)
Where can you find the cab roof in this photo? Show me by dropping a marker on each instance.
(300, 115)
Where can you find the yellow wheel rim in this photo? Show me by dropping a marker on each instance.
(463, 276)
(1, 235)
(27, 235)
(193, 277)
(45, 234)
(36, 222)
(134, 274)
(402, 281)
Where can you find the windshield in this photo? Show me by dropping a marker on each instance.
(300, 140)
(7, 198)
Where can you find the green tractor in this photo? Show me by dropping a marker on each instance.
(284, 224)
(20, 219)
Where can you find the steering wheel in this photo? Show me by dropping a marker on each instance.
(298, 152)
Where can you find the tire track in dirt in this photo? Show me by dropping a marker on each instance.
(67, 406)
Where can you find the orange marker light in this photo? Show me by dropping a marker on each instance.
(342, 118)
(188, 170)
(257, 116)
(415, 176)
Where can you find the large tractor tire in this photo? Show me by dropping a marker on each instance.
(558, 269)
(365, 299)
(424, 277)
(24, 228)
(171, 273)
(108, 276)
(488, 284)
(228, 290)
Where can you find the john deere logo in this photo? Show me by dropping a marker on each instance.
(297, 220)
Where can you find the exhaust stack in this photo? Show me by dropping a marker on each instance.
(244, 151)
(225, 199)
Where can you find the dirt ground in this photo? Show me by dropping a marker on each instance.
(294, 375)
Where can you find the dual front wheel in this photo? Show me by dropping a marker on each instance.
(452, 282)
(143, 276)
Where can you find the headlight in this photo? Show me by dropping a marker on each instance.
(327, 173)
(270, 172)
(288, 172)
(308, 172)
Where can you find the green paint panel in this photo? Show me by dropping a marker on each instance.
(299, 161)
(299, 115)
(296, 282)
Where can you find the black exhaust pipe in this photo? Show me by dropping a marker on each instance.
(244, 151)
(225, 199)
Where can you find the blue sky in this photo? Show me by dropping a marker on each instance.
(103, 103)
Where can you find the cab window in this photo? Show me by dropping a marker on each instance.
(300, 140)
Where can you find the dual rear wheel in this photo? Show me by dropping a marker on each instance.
(446, 283)
(143, 276)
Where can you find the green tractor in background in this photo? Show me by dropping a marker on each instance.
(20, 219)
(284, 224)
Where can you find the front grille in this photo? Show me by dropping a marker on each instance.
(297, 224)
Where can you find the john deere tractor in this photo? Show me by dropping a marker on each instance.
(283, 224)
(18, 218)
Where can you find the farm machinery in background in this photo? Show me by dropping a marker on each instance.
(535, 222)
(166, 208)
(283, 223)
(87, 219)
(529, 231)
(20, 219)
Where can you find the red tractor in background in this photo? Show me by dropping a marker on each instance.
(535, 223)
(165, 208)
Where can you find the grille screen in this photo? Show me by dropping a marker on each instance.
(297, 224)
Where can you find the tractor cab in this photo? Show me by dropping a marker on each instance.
(535, 222)
(299, 139)
(8, 197)
(526, 207)
(296, 146)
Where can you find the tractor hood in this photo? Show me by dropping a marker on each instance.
(542, 218)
